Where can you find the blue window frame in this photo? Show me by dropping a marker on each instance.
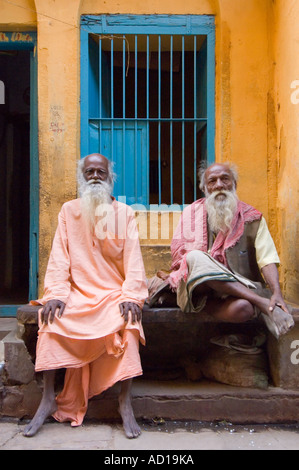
(148, 101)
(13, 42)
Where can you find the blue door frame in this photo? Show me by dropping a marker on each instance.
(146, 24)
(28, 41)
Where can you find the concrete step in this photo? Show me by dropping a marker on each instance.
(201, 401)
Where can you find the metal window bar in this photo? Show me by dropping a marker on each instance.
(170, 117)
(100, 95)
(159, 117)
(183, 122)
(136, 116)
(112, 96)
(147, 90)
(194, 115)
(124, 113)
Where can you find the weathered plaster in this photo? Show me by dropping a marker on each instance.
(257, 124)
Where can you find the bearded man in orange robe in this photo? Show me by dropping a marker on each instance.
(95, 287)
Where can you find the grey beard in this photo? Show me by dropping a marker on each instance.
(221, 211)
(93, 195)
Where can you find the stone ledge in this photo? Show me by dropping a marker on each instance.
(173, 337)
(27, 314)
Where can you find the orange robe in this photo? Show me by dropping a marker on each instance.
(92, 275)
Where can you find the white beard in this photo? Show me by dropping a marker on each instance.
(221, 210)
(92, 196)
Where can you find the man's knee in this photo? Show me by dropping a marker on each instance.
(242, 310)
(230, 310)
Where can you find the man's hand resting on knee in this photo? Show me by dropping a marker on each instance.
(49, 309)
(126, 307)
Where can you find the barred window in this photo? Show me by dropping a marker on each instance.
(147, 102)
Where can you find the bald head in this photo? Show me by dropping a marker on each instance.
(95, 167)
(95, 157)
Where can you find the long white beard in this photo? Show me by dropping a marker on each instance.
(92, 196)
(221, 210)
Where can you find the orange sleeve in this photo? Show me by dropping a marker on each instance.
(134, 288)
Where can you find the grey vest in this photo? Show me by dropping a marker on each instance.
(241, 258)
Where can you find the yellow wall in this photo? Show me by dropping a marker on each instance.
(256, 123)
(195, 7)
(17, 18)
(58, 112)
(286, 47)
(242, 86)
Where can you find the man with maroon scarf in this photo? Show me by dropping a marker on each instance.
(224, 258)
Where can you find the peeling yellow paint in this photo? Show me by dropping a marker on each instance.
(21, 37)
(3, 37)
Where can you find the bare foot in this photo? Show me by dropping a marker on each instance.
(278, 321)
(131, 428)
(45, 409)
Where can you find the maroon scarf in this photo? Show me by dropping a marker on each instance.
(192, 234)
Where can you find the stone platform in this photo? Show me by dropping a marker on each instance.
(165, 391)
